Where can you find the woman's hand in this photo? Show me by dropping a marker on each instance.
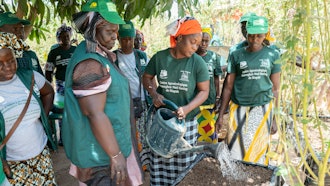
(157, 100)
(273, 128)
(220, 130)
(217, 105)
(218, 124)
(181, 113)
(119, 169)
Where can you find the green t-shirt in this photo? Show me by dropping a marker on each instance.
(252, 86)
(178, 78)
(238, 46)
(213, 62)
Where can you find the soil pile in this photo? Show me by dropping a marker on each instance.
(207, 172)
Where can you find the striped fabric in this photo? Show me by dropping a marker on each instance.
(143, 147)
(249, 132)
(164, 171)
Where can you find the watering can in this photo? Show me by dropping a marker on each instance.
(165, 135)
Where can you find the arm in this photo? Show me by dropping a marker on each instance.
(217, 91)
(225, 98)
(275, 78)
(49, 75)
(217, 85)
(93, 107)
(49, 66)
(149, 83)
(47, 96)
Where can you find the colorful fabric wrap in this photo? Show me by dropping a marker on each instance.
(61, 29)
(206, 124)
(270, 36)
(184, 26)
(9, 40)
(208, 31)
(249, 132)
(34, 171)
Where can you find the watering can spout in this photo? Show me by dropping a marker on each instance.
(211, 149)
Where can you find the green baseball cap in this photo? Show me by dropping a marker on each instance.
(106, 8)
(257, 25)
(10, 18)
(126, 30)
(246, 16)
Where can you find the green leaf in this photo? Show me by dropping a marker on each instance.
(282, 171)
(181, 12)
(309, 87)
(305, 121)
(48, 15)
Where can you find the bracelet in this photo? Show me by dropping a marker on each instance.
(115, 156)
(217, 98)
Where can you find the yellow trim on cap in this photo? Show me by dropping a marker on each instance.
(93, 5)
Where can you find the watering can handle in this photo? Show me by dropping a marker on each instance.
(170, 104)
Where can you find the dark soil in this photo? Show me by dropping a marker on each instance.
(207, 172)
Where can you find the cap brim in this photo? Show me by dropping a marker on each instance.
(15, 21)
(112, 17)
(257, 30)
(24, 22)
(244, 19)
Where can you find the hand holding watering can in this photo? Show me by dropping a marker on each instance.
(159, 100)
(165, 135)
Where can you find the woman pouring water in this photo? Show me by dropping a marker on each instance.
(251, 90)
(183, 78)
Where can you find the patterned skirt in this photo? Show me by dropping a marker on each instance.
(249, 132)
(206, 124)
(165, 171)
(141, 126)
(34, 171)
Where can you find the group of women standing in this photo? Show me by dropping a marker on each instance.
(99, 124)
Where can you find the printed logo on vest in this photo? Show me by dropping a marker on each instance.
(264, 63)
(163, 74)
(184, 75)
(143, 62)
(243, 64)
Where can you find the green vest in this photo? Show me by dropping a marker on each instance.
(80, 144)
(2, 174)
(25, 76)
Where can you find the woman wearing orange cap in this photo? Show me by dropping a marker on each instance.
(183, 78)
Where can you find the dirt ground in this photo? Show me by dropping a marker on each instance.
(257, 175)
(62, 165)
